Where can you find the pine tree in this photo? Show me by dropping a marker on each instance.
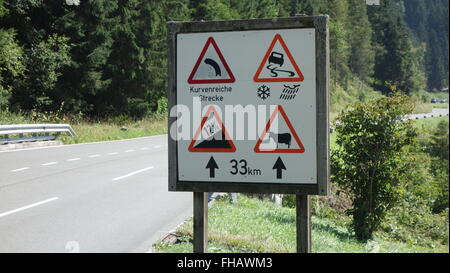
(394, 58)
(199, 9)
(428, 21)
(361, 55)
(339, 33)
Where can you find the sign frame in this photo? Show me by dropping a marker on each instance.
(320, 24)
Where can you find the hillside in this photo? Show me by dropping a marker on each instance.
(107, 58)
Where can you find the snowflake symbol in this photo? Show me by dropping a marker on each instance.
(263, 92)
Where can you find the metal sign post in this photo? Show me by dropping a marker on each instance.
(200, 222)
(249, 112)
(303, 221)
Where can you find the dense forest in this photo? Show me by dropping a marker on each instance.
(107, 57)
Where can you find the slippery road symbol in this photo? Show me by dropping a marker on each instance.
(276, 60)
(278, 64)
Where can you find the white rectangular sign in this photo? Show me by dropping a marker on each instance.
(271, 74)
(249, 105)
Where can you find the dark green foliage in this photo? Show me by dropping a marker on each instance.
(3, 9)
(361, 57)
(439, 150)
(422, 213)
(301, 7)
(439, 141)
(289, 200)
(112, 60)
(199, 9)
(395, 66)
(429, 22)
(369, 161)
(11, 65)
(44, 63)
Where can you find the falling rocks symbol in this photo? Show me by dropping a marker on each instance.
(217, 140)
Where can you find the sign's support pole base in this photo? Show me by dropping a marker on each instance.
(200, 222)
(303, 217)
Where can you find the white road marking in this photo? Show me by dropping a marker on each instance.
(145, 148)
(96, 155)
(29, 206)
(157, 146)
(73, 159)
(49, 163)
(20, 169)
(128, 151)
(113, 153)
(132, 173)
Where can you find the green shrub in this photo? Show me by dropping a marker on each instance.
(121, 119)
(368, 160)
(441, 181)
(162, 106)
(432, 146)
(138, 107)
(289, 200)
(413, 222)
(439, 141)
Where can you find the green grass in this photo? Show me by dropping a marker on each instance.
(421, 107)
(423, 103)
(92, 131)
(252, 225)
(103, 131)
(428, 124)
(355, 91)
(440, 105)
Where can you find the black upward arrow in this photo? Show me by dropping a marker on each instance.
(279, 166)
(212, 166)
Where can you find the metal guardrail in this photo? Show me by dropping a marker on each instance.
(32, 132)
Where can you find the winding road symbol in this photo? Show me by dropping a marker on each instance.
(214, 65)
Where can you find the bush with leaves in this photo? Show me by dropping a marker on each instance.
(44, 64)
(437, 146)
(368, 163)
(11, 64)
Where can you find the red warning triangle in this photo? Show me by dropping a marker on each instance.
(276, 67)
(217, 138)
(281, 140)
(211, 66)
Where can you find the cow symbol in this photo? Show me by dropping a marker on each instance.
(281, 138)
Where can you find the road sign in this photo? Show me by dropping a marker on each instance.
(217, 139)
(253, 97)
(279, 143)
(275, 67)
(211, 67)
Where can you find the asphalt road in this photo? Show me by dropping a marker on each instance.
(95, 197)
